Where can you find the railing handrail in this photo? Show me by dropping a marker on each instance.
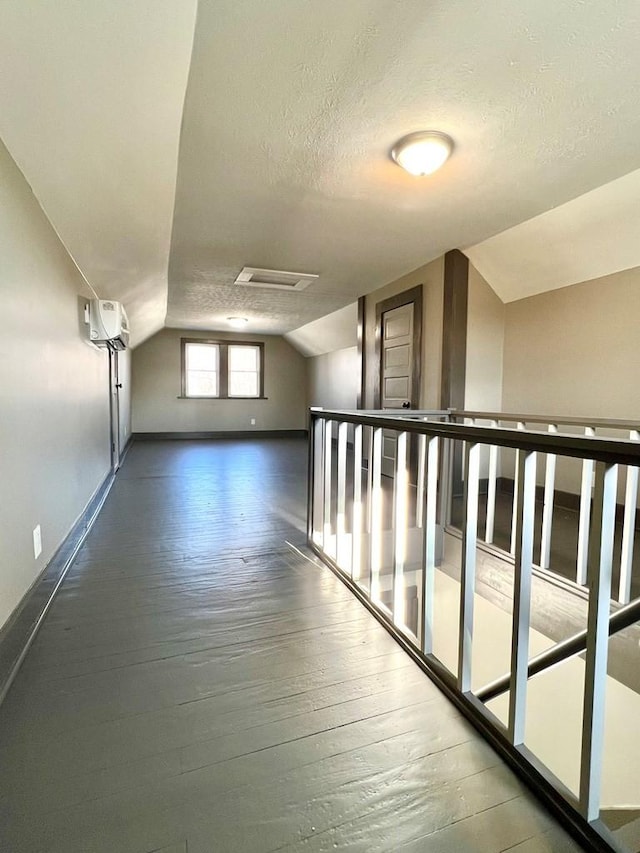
(515, 417)
(598, 448)
(394, 413)
(565, 649)
(603, 423)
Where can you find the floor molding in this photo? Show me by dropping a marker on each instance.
(203, 436)
(22, 626)
(565, 500)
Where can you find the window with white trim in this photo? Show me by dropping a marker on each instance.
(222, 369)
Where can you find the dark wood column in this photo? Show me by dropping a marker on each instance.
(454, 351)
(454, 330)
(362, 390)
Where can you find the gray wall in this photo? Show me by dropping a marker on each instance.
(54, 400)
(576, 351)
(156, 389)
(334, 379)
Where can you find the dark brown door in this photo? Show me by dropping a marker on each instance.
(399, 338)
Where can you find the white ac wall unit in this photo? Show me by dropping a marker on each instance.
(108, 324)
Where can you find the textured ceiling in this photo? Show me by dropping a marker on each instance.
(291, 109)
(91, 97)
(593, 235)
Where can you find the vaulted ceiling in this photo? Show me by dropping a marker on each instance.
(172, 142)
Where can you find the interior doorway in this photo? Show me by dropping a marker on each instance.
(399, 350)
(399, 360)
(114, 409)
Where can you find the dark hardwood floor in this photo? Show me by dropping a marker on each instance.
(199, 686)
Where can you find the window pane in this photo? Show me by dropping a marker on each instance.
(243, 384)
(202, 383)
(243, 358)
(202, 356)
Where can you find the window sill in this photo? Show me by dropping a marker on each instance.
(184, 397)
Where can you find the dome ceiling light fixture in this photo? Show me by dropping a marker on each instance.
(237, 322)
(422, 153)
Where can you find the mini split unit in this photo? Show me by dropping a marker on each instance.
(108, 324)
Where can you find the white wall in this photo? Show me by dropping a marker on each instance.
(485, 345)
(124, 377)
(334, 331)
(334, 379)
(156, 382)
(54, 399)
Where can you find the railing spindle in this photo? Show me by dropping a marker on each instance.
(400, 526)
(316, 522)
(547, 508)
(525, 517)
(512, 548)
(491, 491)
(628, 528)
(429, 540)
(376, 516)
(468, 573)
(342, 552)
(327, 543)
(595, 680)
(356, 515)
(369, 484)
(585, 515)
(420, 485)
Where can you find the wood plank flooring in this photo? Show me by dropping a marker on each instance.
(198, 687)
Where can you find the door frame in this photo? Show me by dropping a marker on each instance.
(413, 295)
(114, 409)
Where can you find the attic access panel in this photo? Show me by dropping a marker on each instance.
(274, 279)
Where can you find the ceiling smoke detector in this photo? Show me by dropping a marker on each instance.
(274, 279)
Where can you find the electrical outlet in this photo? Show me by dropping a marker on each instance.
(253, 421)
(37, 541)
